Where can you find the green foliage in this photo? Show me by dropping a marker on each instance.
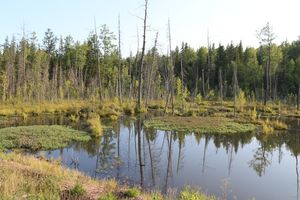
(267, 127)
(77, 190)
(94, 124)
(73, 118)
(241, 100)
(41, 137)
(109, 196)
(132, 192)
(129, 108)
(189, 193)
(198, 99)
(278, 125)
(253, 114)
(211, 95)
(219, 125)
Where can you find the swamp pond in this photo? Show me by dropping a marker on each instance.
(241, 166)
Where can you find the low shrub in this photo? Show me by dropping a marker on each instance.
(109, 196)
(77, 190)
(132, 192)
(94, 125)
(189, 193)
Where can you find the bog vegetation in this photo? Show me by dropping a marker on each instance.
(218, 88)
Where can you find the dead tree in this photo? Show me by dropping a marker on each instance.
(235, 85)
(142, 58)
(150, 71)
(98, 62)
(131, 76)
(220, 85)
(203, 82)
(182, 90)
(172, 68)
(266, 37)
(120, 64)
(209, 62)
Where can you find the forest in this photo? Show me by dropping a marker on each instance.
(61, 68)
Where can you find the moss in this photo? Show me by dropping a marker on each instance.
(199, 124)
(40, 137)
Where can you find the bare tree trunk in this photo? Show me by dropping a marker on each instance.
(298, 95)
(220, 85)
(203, 82)
(150, 70)
(142, 58)
(196, 82)
(131, 76)
(208, 62)
(182, 90)
(98, 64)
(235, 86)
(172, 69)
(120, 64)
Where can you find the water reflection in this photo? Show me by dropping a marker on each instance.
(257, 166)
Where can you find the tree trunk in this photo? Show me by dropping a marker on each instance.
(120, 65)
(142, 58)
(150, 70)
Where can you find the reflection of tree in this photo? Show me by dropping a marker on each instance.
(106, 154)
(260, 161)
(294, 145)
(141, 165)
(261, 158)
(169, 173)
(204, 152)
(181, 142)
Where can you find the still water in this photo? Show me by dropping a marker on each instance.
(240, 166)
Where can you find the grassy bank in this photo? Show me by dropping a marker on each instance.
(26, 177)
(113, 108)
(107, 108)
(199, 124)
(40, 137)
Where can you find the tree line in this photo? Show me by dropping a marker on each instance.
(61, 68)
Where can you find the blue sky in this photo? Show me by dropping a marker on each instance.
(226, 20)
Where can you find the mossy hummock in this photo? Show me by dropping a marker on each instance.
(200, 125)
(40, 137)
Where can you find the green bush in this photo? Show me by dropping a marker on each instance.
(95, 126)
(132, 192)
(78, 190)
(109, 196)
(189, 193)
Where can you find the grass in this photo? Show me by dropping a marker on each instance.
(189, 193)
(94, 124)
(199, 124)
(113, 108)
(40, 137)
(77, 190)
(132, 192)
(109, 196)
(26, 177)
(268, 126)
